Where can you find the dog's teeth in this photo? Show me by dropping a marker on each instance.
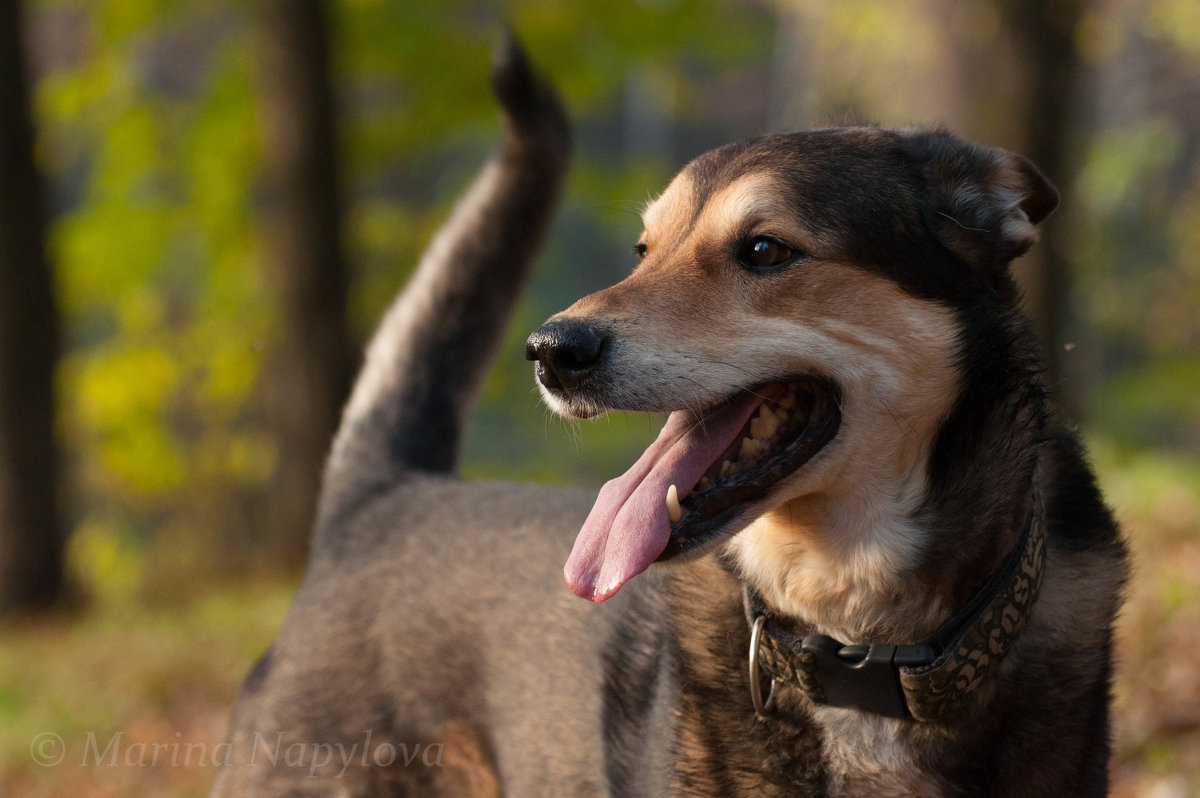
(704, 484)
(674, 508)
(765, 424)
(789, 399)
(726, 468)
(749, 448)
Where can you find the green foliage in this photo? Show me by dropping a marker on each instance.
(105, 562)
(1138, 276)
(1178, 22)
(156, 265)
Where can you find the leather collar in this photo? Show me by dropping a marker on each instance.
(925, 681)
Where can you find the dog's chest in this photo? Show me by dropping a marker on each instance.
(866, 755)
(722, 749)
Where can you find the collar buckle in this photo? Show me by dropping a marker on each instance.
(866, 677)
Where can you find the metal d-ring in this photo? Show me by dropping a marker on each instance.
(760, 706)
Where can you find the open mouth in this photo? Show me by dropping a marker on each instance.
(691, 485)
(792, 423)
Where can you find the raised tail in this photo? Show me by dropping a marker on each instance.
(427, 359)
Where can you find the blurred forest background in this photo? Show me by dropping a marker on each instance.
(204, 207)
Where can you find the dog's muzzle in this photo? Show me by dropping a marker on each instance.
(566, 352)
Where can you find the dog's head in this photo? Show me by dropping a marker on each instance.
(797, 309)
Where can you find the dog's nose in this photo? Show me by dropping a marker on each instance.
(565, 351)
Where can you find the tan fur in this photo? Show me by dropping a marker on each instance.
(467, 769)
(833, 551)
(866, 759)
(751, 204)
(661, 217)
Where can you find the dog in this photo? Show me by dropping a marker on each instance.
(863, 557)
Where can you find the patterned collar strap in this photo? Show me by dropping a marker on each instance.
(926, 681)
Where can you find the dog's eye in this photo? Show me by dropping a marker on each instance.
(762, 252)
(640, 249)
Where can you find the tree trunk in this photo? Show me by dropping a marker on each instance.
(30, 532)
(1043, 36)
(309, 375)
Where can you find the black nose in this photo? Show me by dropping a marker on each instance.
(566, 352)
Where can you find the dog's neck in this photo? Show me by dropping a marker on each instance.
(842, 569)
(842, 559)
(927, 680)
(859, 752)
(892, 551)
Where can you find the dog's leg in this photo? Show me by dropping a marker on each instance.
(429, 354)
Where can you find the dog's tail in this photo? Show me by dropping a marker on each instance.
(428, 356)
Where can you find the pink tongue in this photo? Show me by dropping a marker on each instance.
(628, 526)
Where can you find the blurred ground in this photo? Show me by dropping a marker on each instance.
(164, 672)
(1158, 682)
(156, 673)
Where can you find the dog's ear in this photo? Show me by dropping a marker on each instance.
(985, 203)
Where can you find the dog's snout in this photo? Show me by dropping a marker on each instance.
(566, 352)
